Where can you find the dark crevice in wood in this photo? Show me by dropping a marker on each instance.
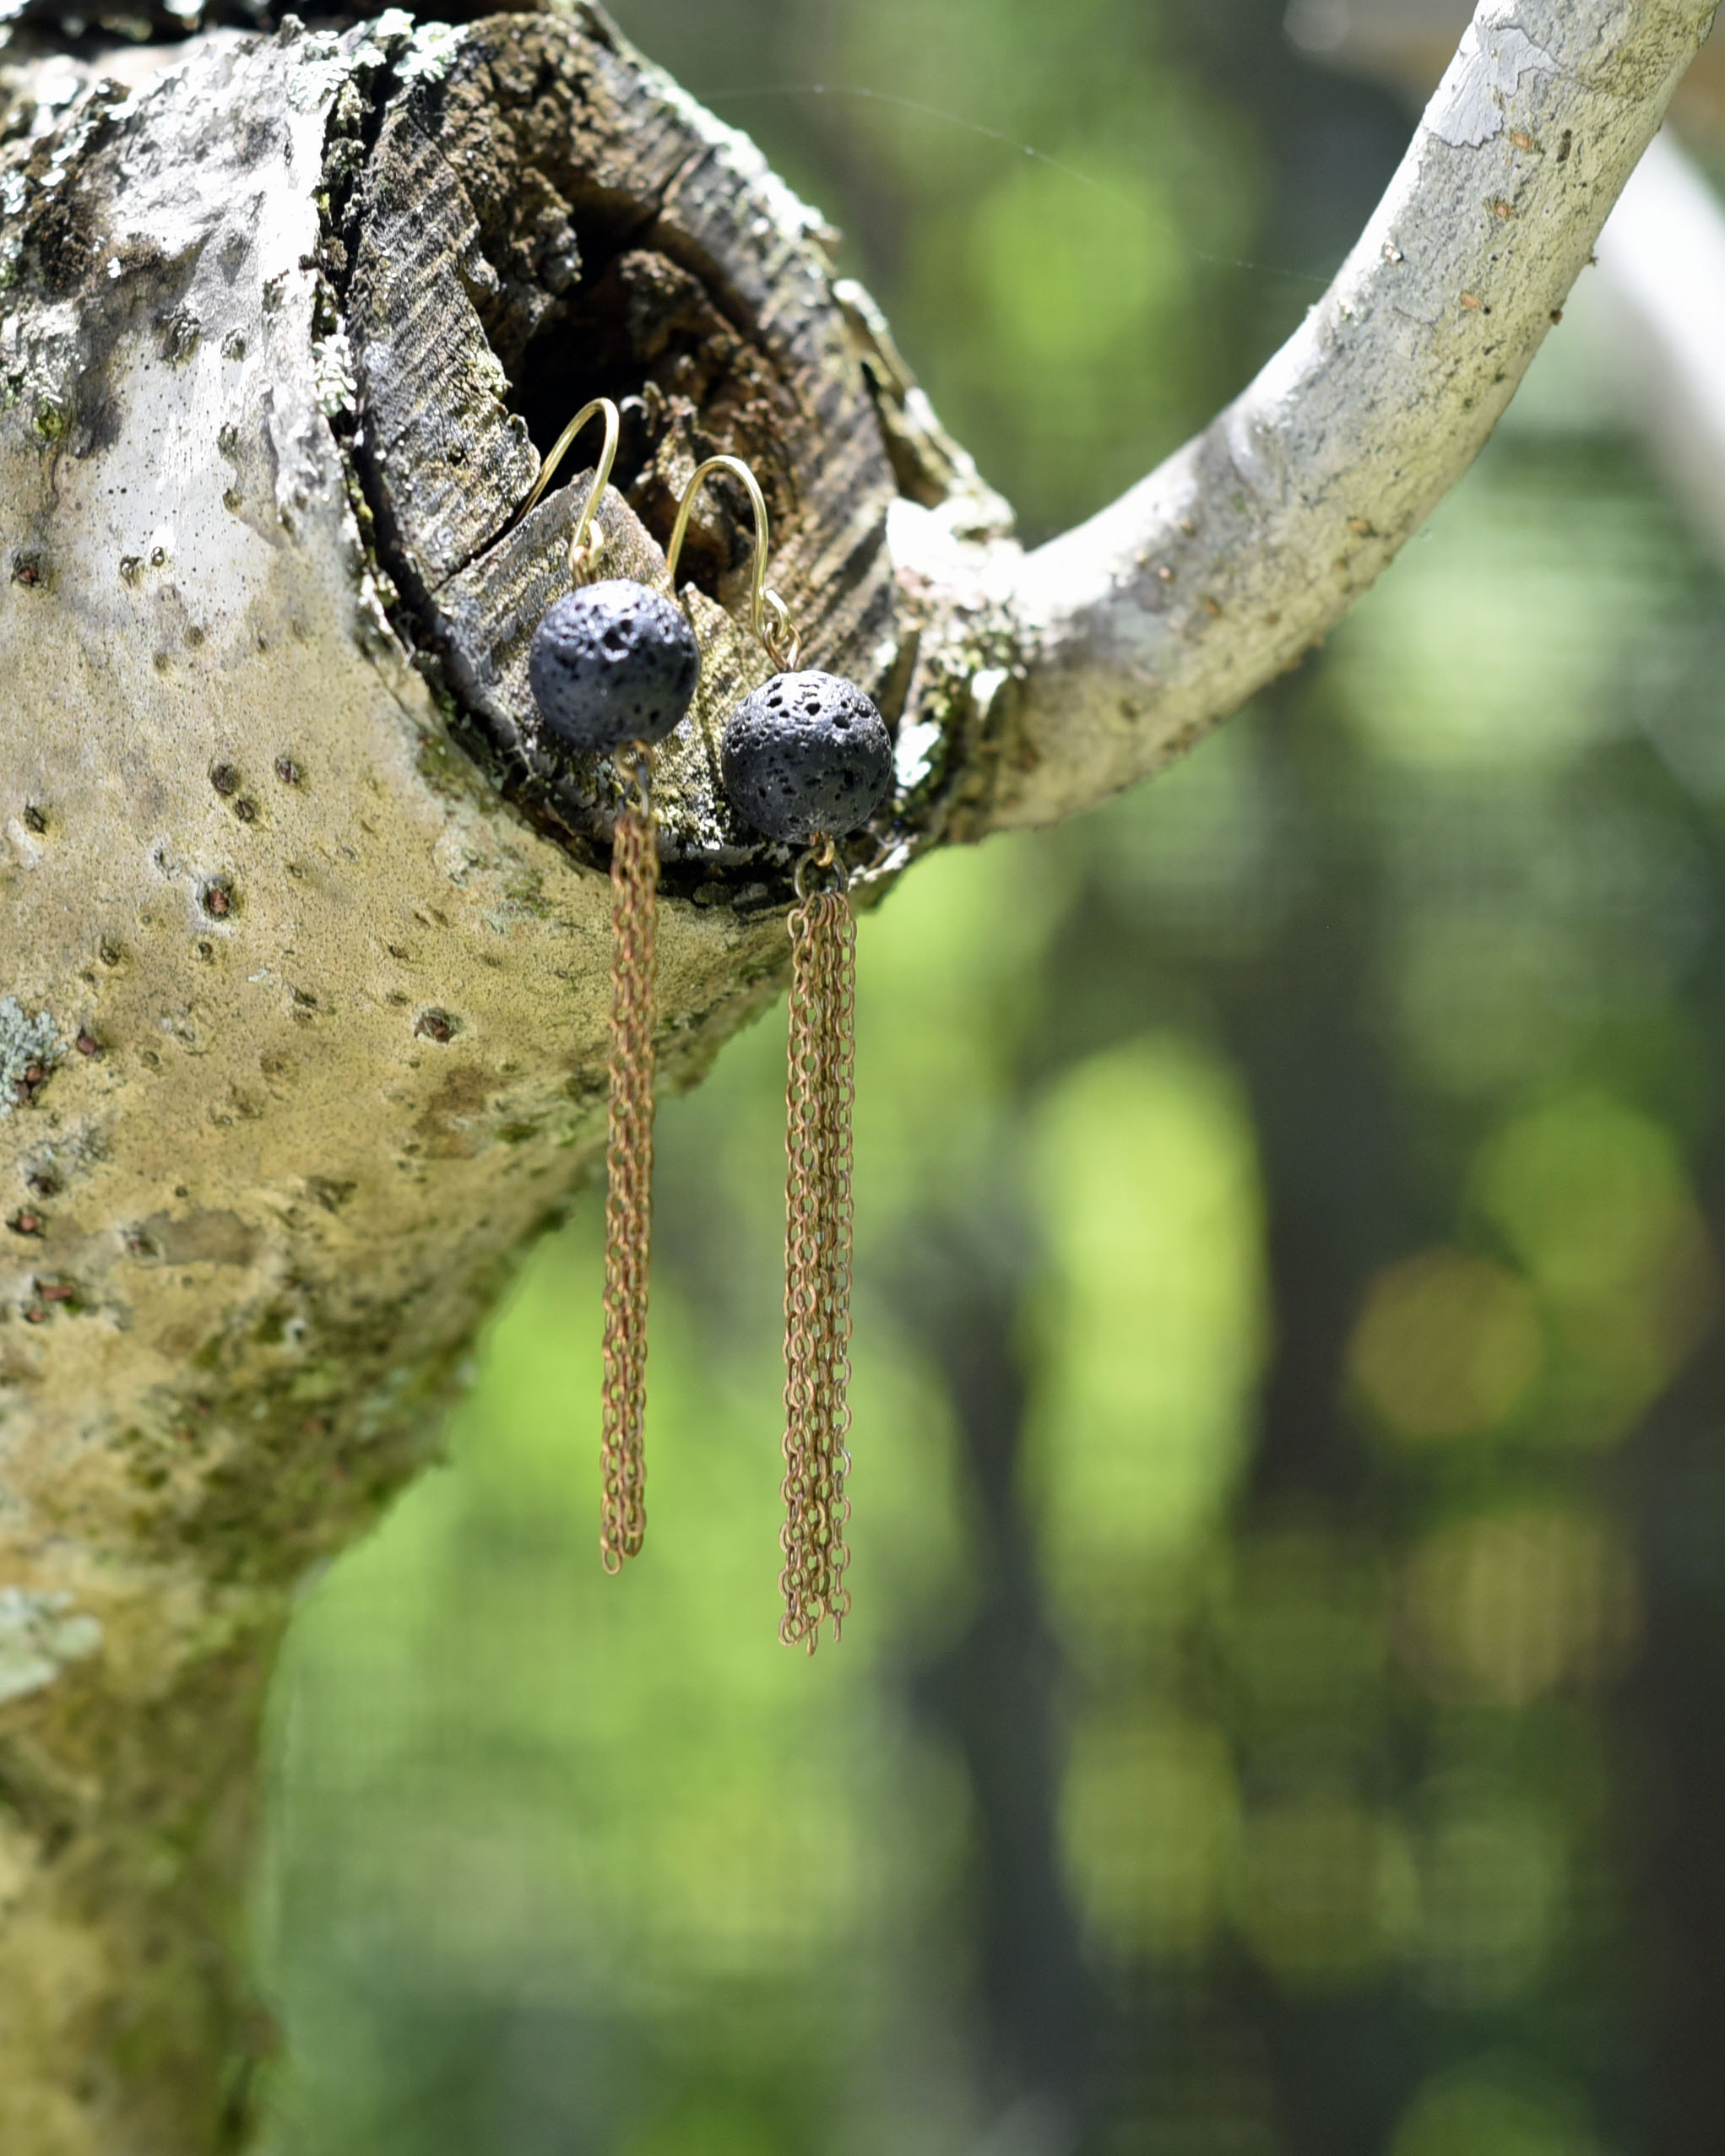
(541, 227)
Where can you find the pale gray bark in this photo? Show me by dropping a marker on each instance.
(1159, 617)
(1411, 41)
(303, 937)
(1658, 301)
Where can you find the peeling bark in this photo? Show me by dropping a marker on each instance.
(304, 927)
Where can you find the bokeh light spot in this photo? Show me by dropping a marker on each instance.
(1483, 2114)
(1494, 1879)
(1446, 1345)
(1153, 1319)
(1500, 1611)
(1326, 1891)
(1148, 1822)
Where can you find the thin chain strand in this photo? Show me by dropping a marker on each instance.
(820, 1095)
(629, 1212)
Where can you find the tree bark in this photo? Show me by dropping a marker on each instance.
(1162, 615)
(304, 930)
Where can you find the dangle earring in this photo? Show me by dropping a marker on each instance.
(613, 666)
(806, 760)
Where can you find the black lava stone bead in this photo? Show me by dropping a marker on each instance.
(610, 663)
(806, 753)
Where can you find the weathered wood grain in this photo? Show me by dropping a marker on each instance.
(552, 221)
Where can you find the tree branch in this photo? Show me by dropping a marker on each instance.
(1162, 615)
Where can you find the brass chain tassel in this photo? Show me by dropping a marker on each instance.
(628, 1209)
(817, 1259)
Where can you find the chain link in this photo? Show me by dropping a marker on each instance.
(628, 1211)
(821, 1094)
(784, 647)
(586, 552)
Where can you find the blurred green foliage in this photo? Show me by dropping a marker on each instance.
(1277, 1717)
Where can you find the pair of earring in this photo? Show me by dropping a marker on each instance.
(805, 759)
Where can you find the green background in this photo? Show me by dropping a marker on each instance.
(1281, 1712)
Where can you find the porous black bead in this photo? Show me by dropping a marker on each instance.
(610, 663)
(806, 753)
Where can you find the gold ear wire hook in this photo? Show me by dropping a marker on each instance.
(588, 542)
(780, 638)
